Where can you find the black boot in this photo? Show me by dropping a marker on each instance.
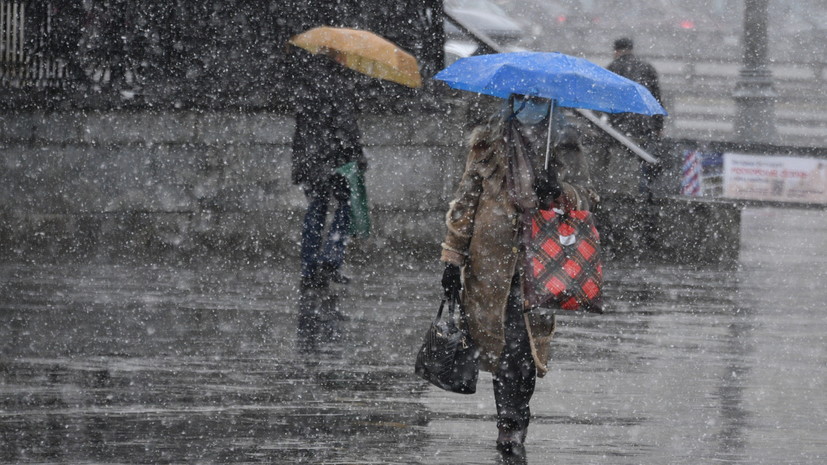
(329, 273)
(318, 281)
(313, 305)
(309, 319)
(511, 439)
(329, 308)
(338, 278)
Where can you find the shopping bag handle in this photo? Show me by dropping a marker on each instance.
(453, 302)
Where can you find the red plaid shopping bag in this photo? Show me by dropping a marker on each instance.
(564, 267)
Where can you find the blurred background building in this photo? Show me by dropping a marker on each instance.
(232, 54)
(184, 53)
(694, 44)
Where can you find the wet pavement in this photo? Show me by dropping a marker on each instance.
(162, 364)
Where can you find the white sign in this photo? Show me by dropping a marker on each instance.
(775, 178)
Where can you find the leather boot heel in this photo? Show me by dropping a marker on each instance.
(510, 440)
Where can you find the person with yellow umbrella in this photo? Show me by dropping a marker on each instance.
(327, 143)
(326, 137)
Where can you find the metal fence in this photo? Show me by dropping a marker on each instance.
(25, 28)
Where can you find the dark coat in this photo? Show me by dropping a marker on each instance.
(327, 135)
(639, 126)
(484, 239)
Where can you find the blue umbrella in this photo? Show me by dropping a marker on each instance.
(568, 81)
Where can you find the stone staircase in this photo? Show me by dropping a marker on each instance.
(698, 98)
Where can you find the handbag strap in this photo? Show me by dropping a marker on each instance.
(455, 302)
(439, 312)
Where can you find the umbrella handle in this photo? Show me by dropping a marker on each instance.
(548, 131)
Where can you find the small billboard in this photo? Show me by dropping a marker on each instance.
(775, 178)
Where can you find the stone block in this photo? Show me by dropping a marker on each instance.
(270, 129)
(413, 129)
(436, 130)
(672, 230)
(256, 164)
(405, 177)
(47, 127)
(244, 128)
(37, 235)
(107, 128)
(174, 163)
(400, 233)
(15, 127)
(44, 178)
(699, 231)
(380, 130)
(255, 177)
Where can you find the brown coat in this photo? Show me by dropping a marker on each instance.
(483, 238)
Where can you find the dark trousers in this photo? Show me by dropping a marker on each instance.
(649, 172)
(516, 374)
(314, 254)
(647, 214)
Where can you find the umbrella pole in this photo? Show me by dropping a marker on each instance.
(548, 132)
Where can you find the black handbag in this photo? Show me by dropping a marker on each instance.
(449, 359)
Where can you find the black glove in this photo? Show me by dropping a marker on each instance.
(546, 186)
(362, 163)
(451, 280)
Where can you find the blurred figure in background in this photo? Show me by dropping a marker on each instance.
(326, 138)
(646, 131)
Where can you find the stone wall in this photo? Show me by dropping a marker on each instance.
(182, 184)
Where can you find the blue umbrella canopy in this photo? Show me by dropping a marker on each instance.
(570, 81)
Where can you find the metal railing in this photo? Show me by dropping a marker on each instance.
(25, 28)
(12, 38)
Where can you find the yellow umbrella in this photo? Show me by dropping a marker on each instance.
(362, 51)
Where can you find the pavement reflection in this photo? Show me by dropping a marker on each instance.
(113, 364)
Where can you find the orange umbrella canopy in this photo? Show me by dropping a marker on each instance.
(362, 51)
